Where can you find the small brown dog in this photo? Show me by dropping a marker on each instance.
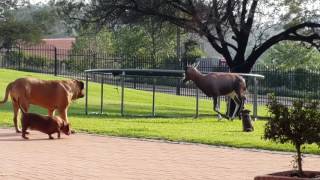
(45, 124)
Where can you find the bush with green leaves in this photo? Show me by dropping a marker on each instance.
(298, 125)
(192, 51)
(28, 61)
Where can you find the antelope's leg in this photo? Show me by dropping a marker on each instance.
(242, 103)
(215, 101)
(238, 104)
(235, 111)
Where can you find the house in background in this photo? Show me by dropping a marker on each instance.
(60, 43)
(50, 48)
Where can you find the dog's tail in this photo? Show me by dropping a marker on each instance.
(8, 89)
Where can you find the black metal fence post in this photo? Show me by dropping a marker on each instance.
(86, 95)
(122, 92)
(197, 102)
(101, 95)
(255, 98)
(153, 97)
(178, 86)
(19, 56)
(135, 77)
(55, 62)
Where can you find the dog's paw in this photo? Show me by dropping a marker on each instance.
(73, 131)
(25, 137)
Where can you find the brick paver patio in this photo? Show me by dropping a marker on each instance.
(83, 156)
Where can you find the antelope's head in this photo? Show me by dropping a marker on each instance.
(190, 71)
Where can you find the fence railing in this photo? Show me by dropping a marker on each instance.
(285, 84)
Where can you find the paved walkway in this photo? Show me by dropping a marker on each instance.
(83, 156)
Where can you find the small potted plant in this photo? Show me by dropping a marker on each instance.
(297, 125)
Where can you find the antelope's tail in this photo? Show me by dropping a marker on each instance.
(8, 89)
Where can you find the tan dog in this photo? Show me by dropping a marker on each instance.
(45, 124)
(52, 95)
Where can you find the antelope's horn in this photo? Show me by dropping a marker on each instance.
(195, 65)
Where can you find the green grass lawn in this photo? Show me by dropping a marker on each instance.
(174, 119)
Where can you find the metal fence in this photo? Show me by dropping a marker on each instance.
(286, 85)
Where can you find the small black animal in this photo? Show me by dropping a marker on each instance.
(246, 120)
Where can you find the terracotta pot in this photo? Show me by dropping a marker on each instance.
(287, 175)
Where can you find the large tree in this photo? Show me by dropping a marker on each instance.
(13, 30)
(240, 30)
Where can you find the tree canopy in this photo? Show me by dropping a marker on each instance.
(148, 38)
(13, 30)
(240, 30)
(291, 55)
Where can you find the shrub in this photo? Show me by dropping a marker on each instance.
(297, 125)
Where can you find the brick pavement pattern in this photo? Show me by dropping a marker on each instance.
(84, 156)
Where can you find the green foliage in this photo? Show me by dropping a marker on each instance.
(25, 61)
(299, 11)
(131, 40)
(13, 31)
(48, 21)
(192, 51)
(290, 55)
(8, 5)
(145, 40)
(298, 125)
(298, 83)
(90, 39)
(141, 40)
(241, 30)
(12, 58)
(161, 37)
(46, 17)
(82, 60)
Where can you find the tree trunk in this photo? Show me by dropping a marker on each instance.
(242, 68)
(299, 159)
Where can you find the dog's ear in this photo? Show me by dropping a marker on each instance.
(80, 84)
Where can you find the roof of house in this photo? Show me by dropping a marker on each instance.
(47, 48)
(60, 43)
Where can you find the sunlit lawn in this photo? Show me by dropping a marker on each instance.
(174, 119)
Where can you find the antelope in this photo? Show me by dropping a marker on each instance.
(215, 84)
